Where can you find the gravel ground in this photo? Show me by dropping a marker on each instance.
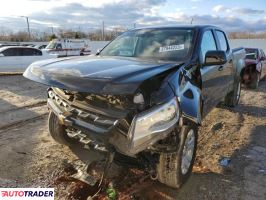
(30, 158)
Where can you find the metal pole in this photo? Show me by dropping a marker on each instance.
(103, 31)
(28, 26)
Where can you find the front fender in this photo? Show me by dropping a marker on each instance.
(189, 97)
(190, 102)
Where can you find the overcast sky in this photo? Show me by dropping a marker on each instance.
(244, 15)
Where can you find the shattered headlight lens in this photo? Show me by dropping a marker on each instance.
(158, 119)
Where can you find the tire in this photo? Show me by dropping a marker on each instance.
(171, 169)
(255, 83)
(58, 131)
(232, 98)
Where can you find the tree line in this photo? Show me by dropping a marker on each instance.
(96, 35)
(247, 35)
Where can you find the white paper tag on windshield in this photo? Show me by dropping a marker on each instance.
(172, 48)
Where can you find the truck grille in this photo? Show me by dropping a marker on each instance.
(97, 120)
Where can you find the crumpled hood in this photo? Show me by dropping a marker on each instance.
(95, 74)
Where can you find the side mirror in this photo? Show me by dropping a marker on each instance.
(215, 58)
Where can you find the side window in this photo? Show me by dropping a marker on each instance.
(222, 40)
(207, 44)
(11, 52)
(59, 46)
(27, 52)
(31, 52)
(37, 52)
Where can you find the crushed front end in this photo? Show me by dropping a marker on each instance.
(105, 122)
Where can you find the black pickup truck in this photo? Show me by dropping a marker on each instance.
(143, 96)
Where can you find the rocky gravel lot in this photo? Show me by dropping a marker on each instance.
(30, 158)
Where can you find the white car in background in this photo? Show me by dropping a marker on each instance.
(18, 58)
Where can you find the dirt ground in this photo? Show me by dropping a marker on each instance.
(30, 158)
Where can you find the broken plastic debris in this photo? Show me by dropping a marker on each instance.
(225, 162)
(111, 192)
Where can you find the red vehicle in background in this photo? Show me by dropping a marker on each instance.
(255, 67)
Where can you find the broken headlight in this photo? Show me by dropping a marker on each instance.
(155, 120)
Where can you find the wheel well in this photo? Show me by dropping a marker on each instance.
(249, 69)
(249, 73)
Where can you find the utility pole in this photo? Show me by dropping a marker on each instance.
(52, 28)
(28, 25)
(191, 22)
(103, 31)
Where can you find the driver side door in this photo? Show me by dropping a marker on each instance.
(210, 74)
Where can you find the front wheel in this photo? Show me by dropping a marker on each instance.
(174, 169)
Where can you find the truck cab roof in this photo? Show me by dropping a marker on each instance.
(198, 27)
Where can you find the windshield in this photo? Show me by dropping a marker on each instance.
(251, 54)
(163, 44)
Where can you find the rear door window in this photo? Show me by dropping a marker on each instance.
(31, 52)
(222, 40)
(207, 43)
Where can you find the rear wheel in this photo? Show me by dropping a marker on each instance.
(233, 97)
(58, 131)
(175, 168)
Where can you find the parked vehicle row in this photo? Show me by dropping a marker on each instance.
(18, 58)
(143, 96)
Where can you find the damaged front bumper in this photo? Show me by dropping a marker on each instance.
(142, 132)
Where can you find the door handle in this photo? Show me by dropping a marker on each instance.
(221, 68)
